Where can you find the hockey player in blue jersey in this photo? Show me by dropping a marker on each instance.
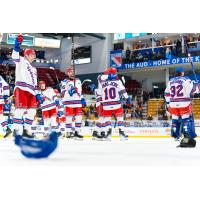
(178, 95)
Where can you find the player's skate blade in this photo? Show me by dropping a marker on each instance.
(122, 135)
(8, 132)
(77, 136)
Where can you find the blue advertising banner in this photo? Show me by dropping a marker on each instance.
(157, 63)
(116, 58)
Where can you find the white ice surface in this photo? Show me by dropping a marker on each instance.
(134, 152)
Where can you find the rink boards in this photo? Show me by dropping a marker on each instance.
(133, 132)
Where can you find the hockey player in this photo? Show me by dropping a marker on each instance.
(49, 112)
(25, 91)
(4, 94)
(111, 91)
(99, 131)
(179, 103)
(73, 101)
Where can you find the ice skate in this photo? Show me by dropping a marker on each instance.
(69, 135)
(122, 135)
(26, 134)
(96, 136)
(187, 142)
(77, 136)
(8, 132)
(108, 136)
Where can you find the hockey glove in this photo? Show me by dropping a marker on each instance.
(7, 107)
(128, 102)
(39, 98)
(5, 97)
(60, 113)
(83, 102)
(18, 41)
(57, 102)
(72, 91)
(112, 77)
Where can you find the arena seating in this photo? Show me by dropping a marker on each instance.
(196, 108)
(131, 85)
(49, 76)
(44, 74)
(154, 106)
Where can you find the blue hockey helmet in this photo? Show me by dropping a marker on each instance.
(180, 69)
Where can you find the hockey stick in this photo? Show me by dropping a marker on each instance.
(190, 58)
(73, 64)
(86, 80)
(52, 68)
(123, 80)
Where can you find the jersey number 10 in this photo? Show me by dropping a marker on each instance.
(110, 93)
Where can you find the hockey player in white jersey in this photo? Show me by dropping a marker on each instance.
(111, 91)
(25, 91)
(4, 94)
(49, 111)
(73, 101)
(179, 102)
(99, 132)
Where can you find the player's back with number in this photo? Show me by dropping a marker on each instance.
(179, 90)
(111, 91)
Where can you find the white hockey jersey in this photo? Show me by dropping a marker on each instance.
(25, 74)
(111, 91)
(71, 101)
(179, 91)
(50, 97)
(4, 89)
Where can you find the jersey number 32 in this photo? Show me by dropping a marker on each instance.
(176, 91)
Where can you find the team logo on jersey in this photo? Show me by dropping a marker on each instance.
(116, 59)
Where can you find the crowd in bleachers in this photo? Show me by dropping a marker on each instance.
(141, 52)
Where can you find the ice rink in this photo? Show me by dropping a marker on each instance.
(134, 152)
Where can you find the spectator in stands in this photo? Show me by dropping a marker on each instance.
(147, 56)
(140, 57)
(178, 48)
(168, 53)
(128, 55)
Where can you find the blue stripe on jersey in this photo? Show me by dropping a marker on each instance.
(48, 106)
(108, 103)
(180, 99)
(72, 102)
(23, 84)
